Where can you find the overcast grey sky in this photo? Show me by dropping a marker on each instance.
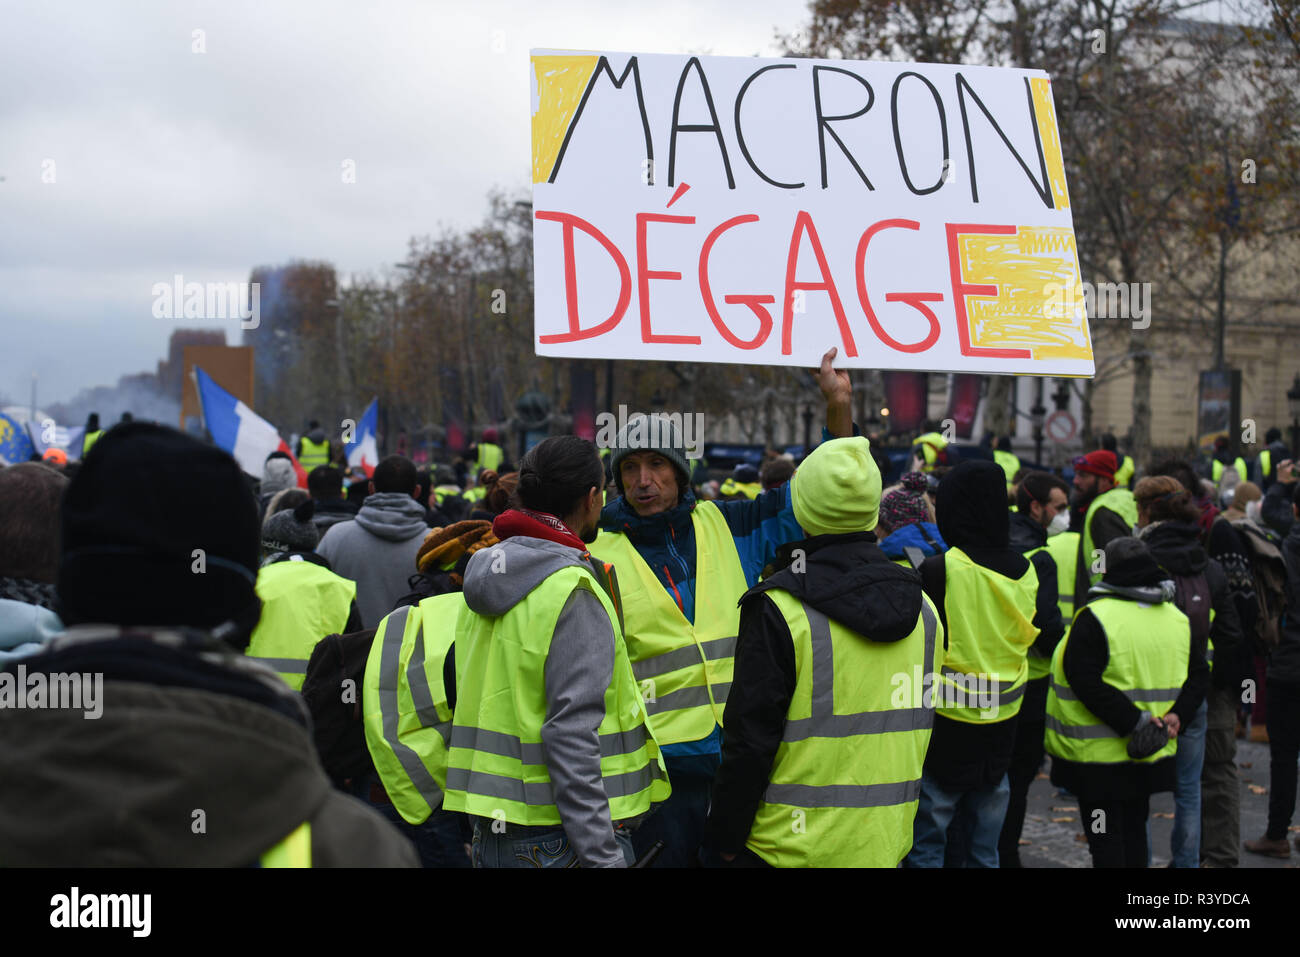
(168, 161)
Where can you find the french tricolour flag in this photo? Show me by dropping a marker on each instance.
(239, 430)
(363, 450)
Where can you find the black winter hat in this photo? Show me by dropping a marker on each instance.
(158, 529)
(1129, 564)
(972, 506)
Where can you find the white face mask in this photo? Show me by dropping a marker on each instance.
(1252, 510)
(1059, 524)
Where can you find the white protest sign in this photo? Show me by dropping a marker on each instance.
(729, 209)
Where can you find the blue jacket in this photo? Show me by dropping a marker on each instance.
(909, 536)
(667, 544)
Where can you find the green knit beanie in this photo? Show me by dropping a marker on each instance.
(837, 488)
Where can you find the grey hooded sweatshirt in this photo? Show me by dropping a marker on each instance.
(377, 550)
(579, 667)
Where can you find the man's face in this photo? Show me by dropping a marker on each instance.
(649, 482)
(1057, 502)
(1085, 486)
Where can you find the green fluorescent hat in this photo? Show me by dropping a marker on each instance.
(837, 488)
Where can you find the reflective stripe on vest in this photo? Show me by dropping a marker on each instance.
(404, 703)
(1064, 548)
(684, 669)
(990, 628)
(490, 456)
(847, 775)
(293, 851)
(1119, 501)
(496, 761)
(314, 453)
(1147, 652)
(302, 602)
(90, 439)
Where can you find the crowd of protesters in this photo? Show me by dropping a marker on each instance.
(596, 657)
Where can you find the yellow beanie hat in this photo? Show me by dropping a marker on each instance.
(837, 488)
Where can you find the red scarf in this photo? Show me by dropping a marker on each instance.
(524, 521)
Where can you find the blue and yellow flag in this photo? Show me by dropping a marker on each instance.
(15, 445)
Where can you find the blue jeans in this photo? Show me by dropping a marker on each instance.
(1185, 844)
(979, 813)
(540, 848)
(678, 822)
(440, 839)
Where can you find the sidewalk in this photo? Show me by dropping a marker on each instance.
(1056, 842)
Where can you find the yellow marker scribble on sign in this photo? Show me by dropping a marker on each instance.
(561, 81)
(1039, 305)
(1050, 137)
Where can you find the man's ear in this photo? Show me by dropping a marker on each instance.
(416, 494)
(370, 486)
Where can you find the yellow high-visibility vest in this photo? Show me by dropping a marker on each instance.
(1148, 649)
(302, 602)
(293, 851)
(990, 628)
(496, 763)
(1064, 549)
(490, 456)
(314, 453)
(1118, 500)
(1216, 469)
(844, 787)
(404, 703)
(684, 669)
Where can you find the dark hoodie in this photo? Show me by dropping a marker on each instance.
(850, 580)
(971, 506)
(1025, 536)
(1284, 662)
(1177, 547)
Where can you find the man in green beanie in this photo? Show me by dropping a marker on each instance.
(827, 728)
(682, 567)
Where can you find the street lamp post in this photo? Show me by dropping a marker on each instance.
(1037, 413)
(1293, 406)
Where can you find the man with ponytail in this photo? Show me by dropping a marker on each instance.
(550, 751)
